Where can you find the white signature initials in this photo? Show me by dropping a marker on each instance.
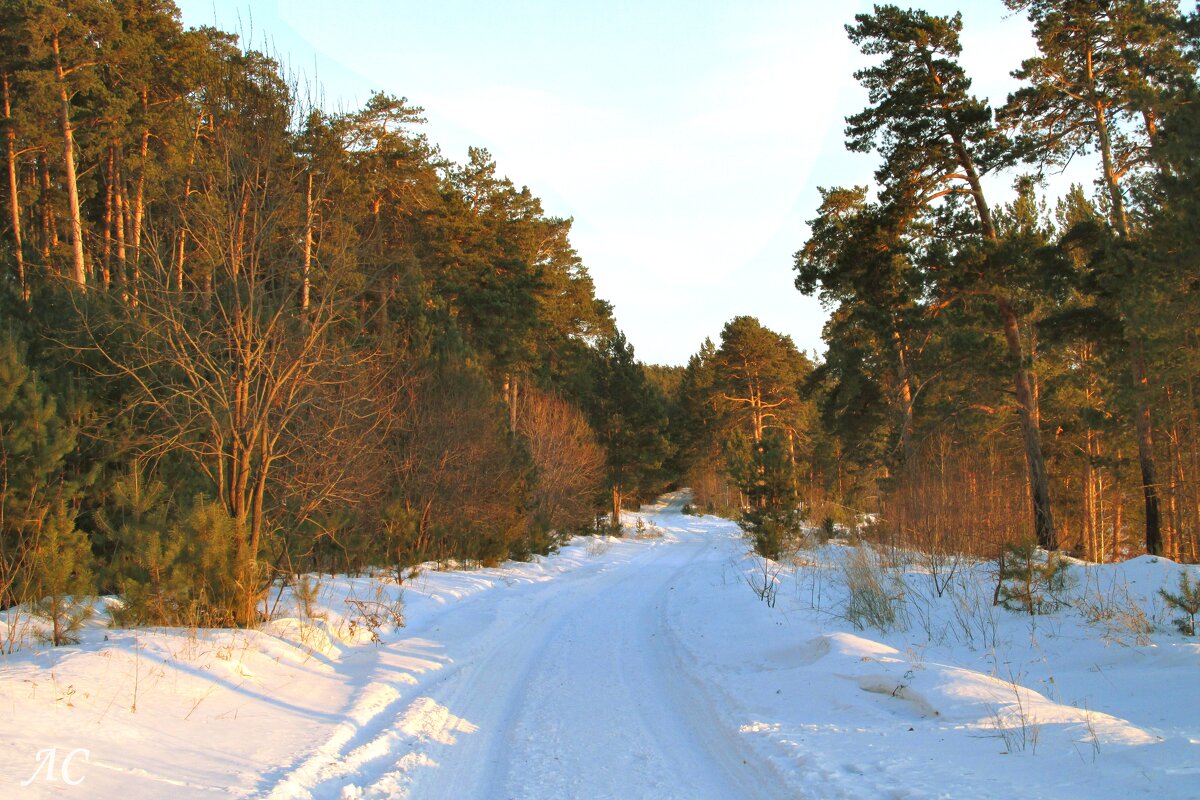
(46, 759)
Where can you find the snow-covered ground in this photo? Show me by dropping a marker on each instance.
(634, 668)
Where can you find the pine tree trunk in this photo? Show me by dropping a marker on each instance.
(1145, 440)
(1039, 481)
(14, 196)
(1118, 515)
(135, 272)
(616, 506)
(49, 224)
(119, 228)
(514, 403)
(1088, 531)
(1176, 528)
(181, 246)
(906, 398)
(139, 200)
(308, 244)
(107, 222)
(1024, 381)
(1094, 475)
(1194, 466)
(1101, 521)
(68, 135)
(509, 392)
(1120, 219)
(1143, 414)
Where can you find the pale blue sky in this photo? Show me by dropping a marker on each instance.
(686, 137)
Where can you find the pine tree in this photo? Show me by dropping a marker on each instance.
(860, 257)
(1187, 600)
(937, 141)
(61, 577)
(64, 50)
(1105, 76)
(146, 551)
(629, 417)
(34, 444)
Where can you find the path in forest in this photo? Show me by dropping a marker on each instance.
(575, 687)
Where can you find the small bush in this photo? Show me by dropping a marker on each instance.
(876, 593)
(763, 580)
(195, 572)
(373, 614)
(828, 528)
(1031, 580)
(62, 577)
(307, 589)
(603, 526)
(774, 534)
(974, 614)
(598, 545)
(1187, 600)
(644, 531)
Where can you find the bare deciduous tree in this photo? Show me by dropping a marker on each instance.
(569, 462)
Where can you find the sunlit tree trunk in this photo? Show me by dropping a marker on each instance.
(68, 135)
(14, 197)
(139, 199)
(308, 244)
(49, 223)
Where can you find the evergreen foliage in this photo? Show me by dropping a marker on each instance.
(61, 576)
(248, 339)
(1187, 600)
(968, 341)
(629, 415)
(742, 428)
(1030, 580)
(251, 338)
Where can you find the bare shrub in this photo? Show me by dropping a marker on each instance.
(712, 491)
(875, 591)
(374, 613)
(461, 476)
(810, 571)
(763, 579)
(973, 614)
(1112, 609)
(307, 589)
(598, 545)
(1017, 728)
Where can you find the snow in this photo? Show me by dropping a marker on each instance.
(643, 667)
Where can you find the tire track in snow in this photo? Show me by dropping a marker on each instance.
(594, 704)
(494, 688)
(575, 688)
(384, 739)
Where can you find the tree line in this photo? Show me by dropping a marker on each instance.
(997, 375)
(244, 337)
(1001, 372)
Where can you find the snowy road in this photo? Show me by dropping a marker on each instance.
(573, 689)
